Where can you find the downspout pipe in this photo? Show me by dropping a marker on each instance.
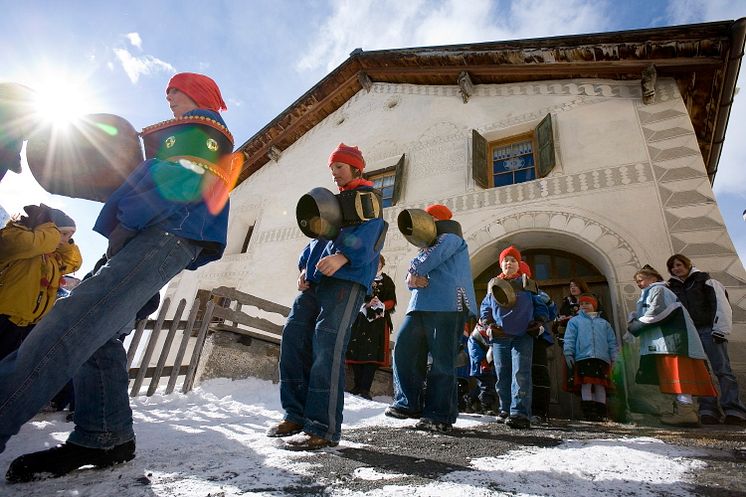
(733, 66)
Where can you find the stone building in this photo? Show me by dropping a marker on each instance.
(593, 154)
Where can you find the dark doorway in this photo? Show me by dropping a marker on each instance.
(553, 270)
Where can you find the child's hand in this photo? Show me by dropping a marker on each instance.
(331, 263)
(303, 285)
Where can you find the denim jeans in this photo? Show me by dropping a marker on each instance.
(436, 333)
(75, 340)
(512, 357)
(729, 400)
(312, 355)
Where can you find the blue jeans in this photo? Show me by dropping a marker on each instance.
(512, 357)
(77, 340)
(312, 355)
(436, 333)
(729, 400)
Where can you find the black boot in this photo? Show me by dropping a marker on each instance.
(588, 408)
(65, 458)
(600, 411)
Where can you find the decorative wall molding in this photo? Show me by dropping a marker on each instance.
(695, 225)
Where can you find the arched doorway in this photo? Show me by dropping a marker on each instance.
(553, 269)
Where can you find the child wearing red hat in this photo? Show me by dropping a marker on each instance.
(440, 280)
(590, 350)
(152, 238)
(513, 330)
(335, 276)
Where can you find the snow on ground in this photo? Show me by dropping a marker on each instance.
(211, 442)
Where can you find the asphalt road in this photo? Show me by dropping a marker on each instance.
(423, 458)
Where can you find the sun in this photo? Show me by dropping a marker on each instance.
(62, 99)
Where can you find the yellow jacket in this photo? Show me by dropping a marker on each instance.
(31, 266)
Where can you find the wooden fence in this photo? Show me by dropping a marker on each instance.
(189, 339)
(224, 312)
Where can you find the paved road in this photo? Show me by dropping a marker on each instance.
(423, 458)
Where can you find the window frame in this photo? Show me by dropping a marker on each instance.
(543, 152)
(398, 170)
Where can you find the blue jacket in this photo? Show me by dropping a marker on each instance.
(357, 243)
(514, 321)
(589, 337)
(446, 264)
(138, 204)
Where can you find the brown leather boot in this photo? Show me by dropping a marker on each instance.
(309, 442)
(284, 429)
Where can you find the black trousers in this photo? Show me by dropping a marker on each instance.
(363, 375)
(11, 335)
(540, 379)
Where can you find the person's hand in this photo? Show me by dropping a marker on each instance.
(628, 337)
(570, 360)
(495, 331)
(718, 337)
(331, 263)
(118, 238)
(535, 328)
(374, 301)
(415, 281)
(303, 285)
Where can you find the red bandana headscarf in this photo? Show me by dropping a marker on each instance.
(200, 88)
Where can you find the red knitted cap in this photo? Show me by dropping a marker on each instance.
(200, 88)
(439, 212)
(510, 251)
(348, 155)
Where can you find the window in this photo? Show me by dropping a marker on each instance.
(516, 159)
(389, 181)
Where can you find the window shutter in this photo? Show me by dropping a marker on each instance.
(246, 240)
(479, 161)
(398, 180)
(545, 143)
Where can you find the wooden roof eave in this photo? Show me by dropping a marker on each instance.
(441, 65)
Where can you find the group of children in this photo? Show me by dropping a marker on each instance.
(508, 345)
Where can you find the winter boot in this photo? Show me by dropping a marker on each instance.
(65, 458)
(589, 409)
(683, 415)
(599, 411)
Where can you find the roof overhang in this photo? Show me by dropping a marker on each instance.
(704, 59)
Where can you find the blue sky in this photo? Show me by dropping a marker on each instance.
(264, 54)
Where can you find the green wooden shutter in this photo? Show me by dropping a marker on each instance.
(398, 180)
(479, 161)
(545, 142)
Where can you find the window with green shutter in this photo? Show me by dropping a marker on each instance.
(389, 181)
(515, 159)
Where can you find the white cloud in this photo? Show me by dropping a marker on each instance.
(137, 66)
(391, 23)
(135, 39)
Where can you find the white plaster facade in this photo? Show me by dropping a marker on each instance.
(629, 187)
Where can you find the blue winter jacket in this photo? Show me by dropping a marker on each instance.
(589, 337)
(138, 204)
(514, 321)
(446, 265)
(357, 243)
